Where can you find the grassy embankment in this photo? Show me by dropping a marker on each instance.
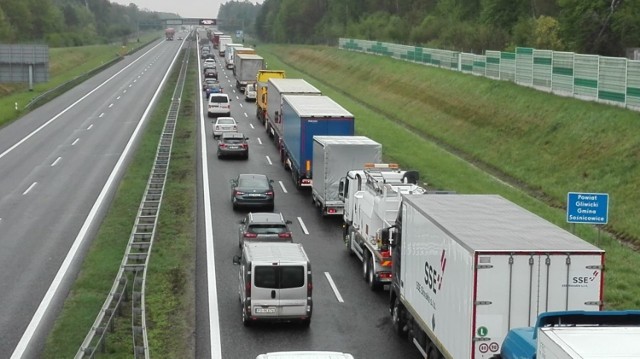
(475, 135)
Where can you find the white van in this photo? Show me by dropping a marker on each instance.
(219, 105)
(274, 282)
(305, 355)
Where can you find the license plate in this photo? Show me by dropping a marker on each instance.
(266, 310)
(254, 195)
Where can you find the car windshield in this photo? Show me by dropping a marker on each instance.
(268, 228)
(252, 182)
(226, 121)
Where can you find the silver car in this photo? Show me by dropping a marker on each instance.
(224, 124)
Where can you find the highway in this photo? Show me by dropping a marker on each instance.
(347, 317)
(60, 165)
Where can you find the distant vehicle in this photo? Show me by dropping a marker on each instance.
(179, 37)
(209, 62)
(264, 227)
(250, 92)
(210, 73)
(219, 104)
(207, 82)
(224, 124)
(233, 144)
(213, 88)
(169, 33)
(252, 190)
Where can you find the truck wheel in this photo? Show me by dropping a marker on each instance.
(374, 285)
(365, 267)
(397, 319)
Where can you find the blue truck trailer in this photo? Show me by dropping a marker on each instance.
(302, 118)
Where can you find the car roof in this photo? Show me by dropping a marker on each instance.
(219, 95)
(266, 217)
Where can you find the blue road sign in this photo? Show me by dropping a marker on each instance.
(590, 208)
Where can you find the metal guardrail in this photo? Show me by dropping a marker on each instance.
(133, 270)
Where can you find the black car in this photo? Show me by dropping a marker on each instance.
(264, 227)
(233, 144)
(252, 190)
(210, 73)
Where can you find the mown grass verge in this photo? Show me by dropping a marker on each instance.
(474, 135)
(170, 283)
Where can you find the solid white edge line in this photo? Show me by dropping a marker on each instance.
(333, 286)
(282, 186)
(214, 320)
(304, 228)
(27, 336)
(269, 160)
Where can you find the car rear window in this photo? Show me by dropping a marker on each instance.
(218, 99)
(268, 228)
(259, 183)
(224, 121)
(232, 140)
(279, 277)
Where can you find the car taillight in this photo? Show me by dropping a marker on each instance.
(238, 193)
(223, 145)
(217, 127)
(247, 289)
(269, 193)
(250, 235)
(245, 146)
(284, 235)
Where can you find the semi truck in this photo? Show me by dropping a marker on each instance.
(223, 40)
(169, 33)
(229, 53)
(239, 50)
(302, 118)
(261, 90)
(215, 38)
(247, 67)
(371, 194)
(468, 268)
(333, 156)
(277, 89)
(576, 335)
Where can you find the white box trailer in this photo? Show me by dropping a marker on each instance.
(588, 342)
(468, 268)
(276, 88)
(333, 157)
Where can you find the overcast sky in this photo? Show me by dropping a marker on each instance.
(200, 9)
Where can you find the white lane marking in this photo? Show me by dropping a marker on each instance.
(240, 105)
(136, 80)
(259, 140)
(56, 161)
(130, 85)
(90, 127)
(110, 105)
(74, 142)
(117, 98)
(269, 160)
(333, 286)
(43, 308)
(304, 228)
(212, 288)
(251, 125)
(125, 91)
(245, 115)
(30, 188)
(282, 186)
(71, 106)
(101, 115)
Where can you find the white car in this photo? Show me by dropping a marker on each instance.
(224, 124)
(250, 92)
(219, 105)
(209, 62)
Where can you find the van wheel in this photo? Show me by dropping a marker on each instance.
(374, 285)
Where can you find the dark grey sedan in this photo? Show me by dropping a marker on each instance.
(252, 190)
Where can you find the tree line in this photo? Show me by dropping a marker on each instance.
(604, 27)
(62, 23)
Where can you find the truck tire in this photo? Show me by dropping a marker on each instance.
(374, 285)
(365, 267)
(397, 319)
